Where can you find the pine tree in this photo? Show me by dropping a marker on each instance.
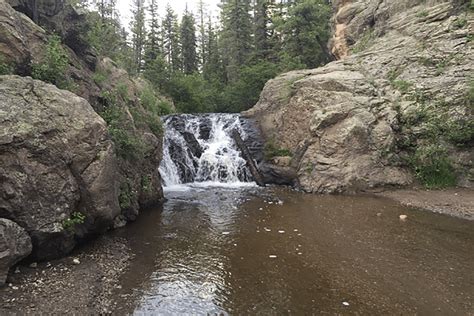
(262, 32)
(236, 36)
(138, 33)
(153, 43)
(202, 34)
(305, 32)
(212, 70)
(171, 49)
(188, 43)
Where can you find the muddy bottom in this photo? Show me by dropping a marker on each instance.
(276, 251)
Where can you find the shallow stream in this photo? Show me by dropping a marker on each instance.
(248, 250)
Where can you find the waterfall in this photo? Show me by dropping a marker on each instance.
(199, 149)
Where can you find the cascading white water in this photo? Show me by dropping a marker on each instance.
(199, 149)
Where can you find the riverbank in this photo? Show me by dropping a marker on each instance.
(458, 202)
(79, 284)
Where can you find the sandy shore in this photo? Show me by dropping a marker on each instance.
(455, 202)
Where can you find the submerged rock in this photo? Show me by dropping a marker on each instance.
(58, 169)
(15, 244)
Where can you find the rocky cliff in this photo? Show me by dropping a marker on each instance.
(394, 109)
(72, 163)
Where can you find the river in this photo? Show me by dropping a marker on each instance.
(211, 250)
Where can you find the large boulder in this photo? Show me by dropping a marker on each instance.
(351, 123)
(21, 40)
(15, 244)
(58, 171)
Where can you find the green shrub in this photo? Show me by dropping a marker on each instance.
(54, 65)
(146, 184)
(127, 144)
(470, 95)
(364, 42)
(271, 150)
(422, 14)
(164, 107)
(76, 218)
(433, 167)
(126, 195)
(394, 74)
(461, 132)
(99, 77)
(5, 68)
(151, 103)
(460, 23)
(122, 90)
(402, 85)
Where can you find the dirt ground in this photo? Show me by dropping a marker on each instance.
(80, 284)
(455, 202)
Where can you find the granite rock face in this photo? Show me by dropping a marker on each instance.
(346, 122)
(15, 244)
(56, 161)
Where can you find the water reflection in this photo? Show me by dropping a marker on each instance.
(275, 251)
(191, 269)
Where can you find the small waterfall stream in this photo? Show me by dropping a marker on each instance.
(199, 149)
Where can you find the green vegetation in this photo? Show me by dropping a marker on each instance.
(460, 23)
(152, 104)
(433, 167)
(207, 66)
(422, 14)
(402, 85)
(470, 95)
(99, 77)
(5, 68)
(76, 218)
(54, 65)
(429, 129)
(271, 150)
(126, 196)
(364, 42)
(146, 184)
(128, 145)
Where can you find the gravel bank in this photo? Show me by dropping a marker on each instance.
(80, 284)
(455, 202)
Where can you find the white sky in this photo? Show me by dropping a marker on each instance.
(124, 7)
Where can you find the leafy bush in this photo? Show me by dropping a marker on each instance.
(364, 42)
(460, 23)
(76, 218)
(54, 65)
(402, 85)
(122, 90)
(422, 14)
(126, 195)
(5, 68)
(128, 145)
(151, 103)
(433, 167)
(99, 77)
(146, 184)
(470, 95)
(271, 150)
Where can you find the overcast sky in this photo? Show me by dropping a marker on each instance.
(124, 7)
